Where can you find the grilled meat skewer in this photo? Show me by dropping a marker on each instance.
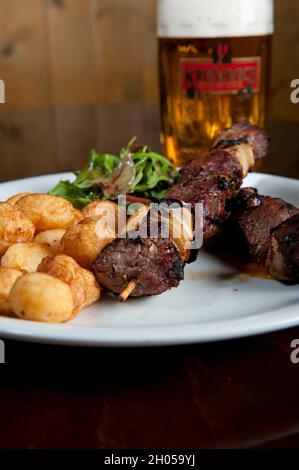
(156, 264)
(218, 176)
(232, 162)
(242, 132)
(270, 227)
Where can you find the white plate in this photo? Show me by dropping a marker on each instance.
(211, 304)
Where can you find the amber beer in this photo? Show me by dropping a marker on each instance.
(215, 58)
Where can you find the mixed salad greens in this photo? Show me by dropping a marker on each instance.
(136, 171)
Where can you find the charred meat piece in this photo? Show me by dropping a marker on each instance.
(247, 198)
(212, 191)
(230, 161)
(257, 222)
(244, 132)
(216, 161)
(154, 262)
(283, 255)
(270, 228)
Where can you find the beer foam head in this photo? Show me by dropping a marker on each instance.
(215, 18)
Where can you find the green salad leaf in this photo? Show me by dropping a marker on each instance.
(136, 171)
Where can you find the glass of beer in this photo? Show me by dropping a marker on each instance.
(214, 60)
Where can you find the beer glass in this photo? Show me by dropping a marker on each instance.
(214, 64)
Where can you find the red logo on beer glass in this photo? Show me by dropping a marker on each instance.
(222, 53)
(223, 74)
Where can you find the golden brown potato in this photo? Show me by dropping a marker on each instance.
(15, 227)
(52, 238)
(25, 256)
(43, 298)
(47, 212)
(67, 270)
(92, 288)
(14, 199)
(8, 277)
(99, 208)
(78, 216)
(113, 214)
(84, 241)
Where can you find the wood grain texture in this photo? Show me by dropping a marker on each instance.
(82, 52)
(68, 35)
(232, 394)
(88, 68)
(117, 50)
(285, 59)
(23, 53)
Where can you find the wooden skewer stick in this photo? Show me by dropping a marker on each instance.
(127, 290)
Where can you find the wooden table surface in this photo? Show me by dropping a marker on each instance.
(241, 393)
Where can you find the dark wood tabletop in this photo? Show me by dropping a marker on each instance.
(232, 394)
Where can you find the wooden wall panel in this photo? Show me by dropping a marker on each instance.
(117, 50)
(75, 136)
(119, 122)
(285, 59)
(149, 51)
(78, 52)
(125, 50)
(27, 146)
(83, 73)
(68, 32)
(23, 53)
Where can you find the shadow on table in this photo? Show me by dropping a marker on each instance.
(239, 393)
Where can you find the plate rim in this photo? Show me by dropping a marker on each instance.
(193, 333)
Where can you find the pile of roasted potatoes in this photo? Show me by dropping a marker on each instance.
(47, 249)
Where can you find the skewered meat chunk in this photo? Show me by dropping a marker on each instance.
(216, 161)
(270, 227)
(150, 260)
(244, 132)
(154, 262)
(230, 151)
(283, 255)
(257, 222)
(212, 191)
(247, 198)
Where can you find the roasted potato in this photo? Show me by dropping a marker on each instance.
(15, 227)
(100, 208)
(47, 212)
(14, 199)
(43, 298)
(114, 215)
(85, 288)
(78, 216)
(92, 288)
(84, 241)
(8, 277)
(25, 256)
(67, 270)
(52, 238)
